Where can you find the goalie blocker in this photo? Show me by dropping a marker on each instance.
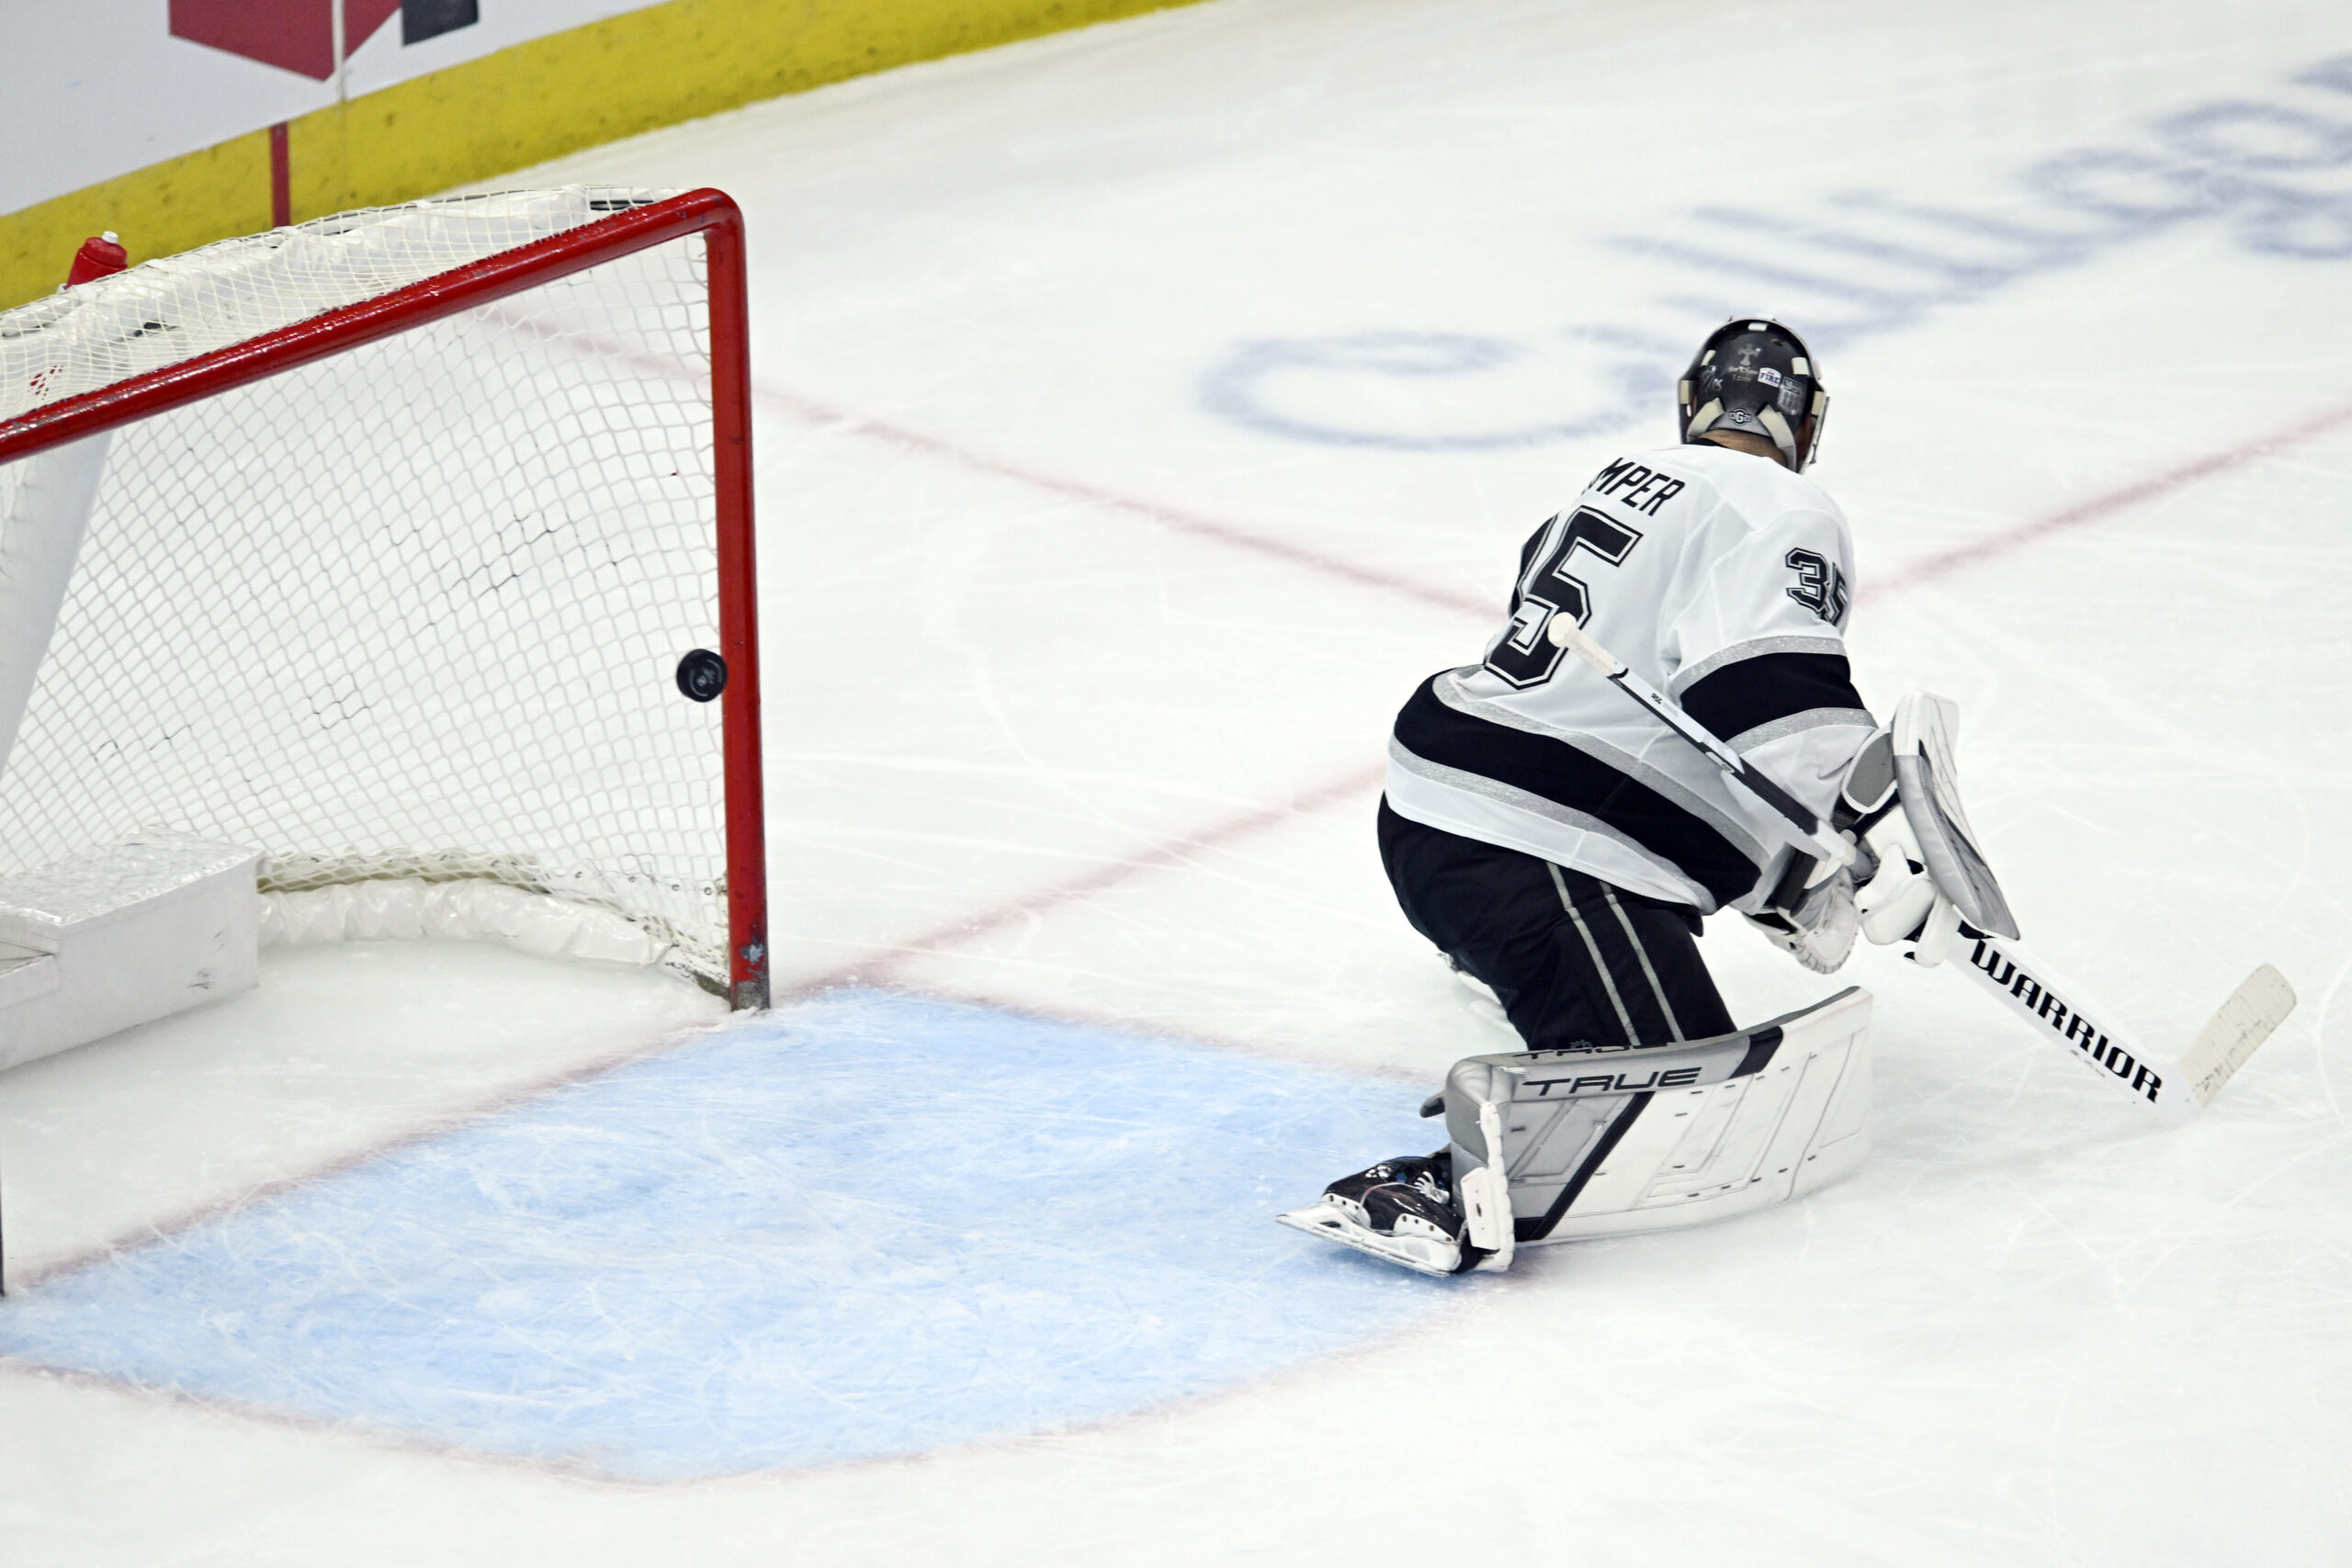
(1561, 1144)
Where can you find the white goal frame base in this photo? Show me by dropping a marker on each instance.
(122, 936)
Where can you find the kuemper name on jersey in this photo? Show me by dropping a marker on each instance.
(1630, 482)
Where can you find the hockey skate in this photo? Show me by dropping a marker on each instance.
(1402, 1210)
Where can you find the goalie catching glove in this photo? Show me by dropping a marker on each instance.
(1930, 876)
(1814, 914)
(1919, 874)
(1816, 926)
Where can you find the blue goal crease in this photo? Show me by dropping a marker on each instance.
(866, 1225)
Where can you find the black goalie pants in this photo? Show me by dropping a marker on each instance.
(1575, 960)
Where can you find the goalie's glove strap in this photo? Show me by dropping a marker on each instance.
(1867, 792)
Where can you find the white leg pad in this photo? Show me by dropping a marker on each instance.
(1604, 1142)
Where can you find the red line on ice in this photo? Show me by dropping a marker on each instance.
(831, 416)
(810, 411)
(952, 934)
(1110, 874)
(2104, 506)
(1169, 851)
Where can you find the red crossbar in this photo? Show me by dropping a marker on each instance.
(708, 212)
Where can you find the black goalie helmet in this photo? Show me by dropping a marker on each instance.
(1755, 377)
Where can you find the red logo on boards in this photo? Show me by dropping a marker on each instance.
(298, 35)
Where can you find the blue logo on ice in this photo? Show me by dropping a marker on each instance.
(866, 1225)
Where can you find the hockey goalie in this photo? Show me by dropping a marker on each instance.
(1559, 847)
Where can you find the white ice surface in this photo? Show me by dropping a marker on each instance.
(1007, 662)
(340, 1051)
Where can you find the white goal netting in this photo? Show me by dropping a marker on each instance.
(414, 611)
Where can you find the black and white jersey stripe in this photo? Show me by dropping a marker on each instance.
(1724, 583)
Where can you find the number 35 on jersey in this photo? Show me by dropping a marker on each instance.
(1525, 656)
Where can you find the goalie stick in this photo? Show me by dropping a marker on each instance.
(1808, 833)
(2052, 1009)
(2055, 1009)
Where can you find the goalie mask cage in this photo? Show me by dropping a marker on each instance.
(403, 523)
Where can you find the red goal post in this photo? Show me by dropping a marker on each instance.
(331, 839)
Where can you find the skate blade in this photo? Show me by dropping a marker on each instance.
(1417, 1253)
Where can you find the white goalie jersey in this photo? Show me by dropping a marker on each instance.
(1723, 580)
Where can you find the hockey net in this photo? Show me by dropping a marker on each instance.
(402, 523)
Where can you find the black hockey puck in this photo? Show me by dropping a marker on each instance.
(702, 675)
